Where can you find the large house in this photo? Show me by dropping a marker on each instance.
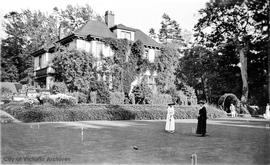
(89, 38)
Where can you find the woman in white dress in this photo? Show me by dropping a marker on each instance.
(233, 111)
(170, 123)
(266, 115)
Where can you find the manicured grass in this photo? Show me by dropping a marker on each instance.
(112, 142)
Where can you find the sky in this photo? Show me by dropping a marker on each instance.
(140, 14)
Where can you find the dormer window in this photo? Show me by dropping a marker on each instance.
(125, 35)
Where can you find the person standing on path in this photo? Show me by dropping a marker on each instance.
(233, 111)
(170, 123)
(201, 126)
(266, 115)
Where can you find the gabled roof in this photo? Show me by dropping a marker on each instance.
(146, 40)
(139, 35)
(95, 29)
(99, 29)
(121, 26)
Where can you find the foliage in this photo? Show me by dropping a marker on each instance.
(178, 97)
(161, 99)
(73, 17)
(152, 33)
(104, 112)
(169, 31)
(116, 65)
(127, 63)
(62, 100)
(184, 95)
(6, 93)
(27, 31)
(102, 93)
(135, 66)
(211, 73)
(142, 93)
(29, 102)
(117, 98)
(244, 24)
(59, 87)
(80, 97)
(166, 65)
(75, 68)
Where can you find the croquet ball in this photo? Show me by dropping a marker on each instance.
(135, 147)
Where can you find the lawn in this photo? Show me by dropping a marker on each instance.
(113, 142)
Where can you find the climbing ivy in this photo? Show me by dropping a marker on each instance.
(166, 64)
(128, 62)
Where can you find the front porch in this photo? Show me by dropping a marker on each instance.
(44, 78)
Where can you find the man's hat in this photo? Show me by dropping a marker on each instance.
(201, 102)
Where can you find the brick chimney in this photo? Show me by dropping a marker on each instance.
(109, 18)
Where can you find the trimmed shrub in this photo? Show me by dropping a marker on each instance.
(103, 94)
(117, 98)
(83, 112)
(161, 99)
(6, 95)
(62, 100)
(214, 112)
(59, 87)
(142, 94)
(29, 102)
(80, 97)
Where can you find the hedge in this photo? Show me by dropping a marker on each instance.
(82, 112)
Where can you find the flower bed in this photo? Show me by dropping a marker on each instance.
(82, 112)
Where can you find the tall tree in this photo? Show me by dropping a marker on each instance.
(26, 32)
(12, 47)
(194, 68)
(170, 30)
(152, 33)
(75, 68)
(232, 21)
(166, 64)
(73, 17)
(211, 73)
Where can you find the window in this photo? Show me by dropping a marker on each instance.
(151, 55)
(126, 35)
(40, 61)
(99, 50)
(36, 63)
(146, 53)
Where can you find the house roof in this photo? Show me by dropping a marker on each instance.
(139, 35)
(146, 40)
(121, 26)
(95, 29)
(99, 29)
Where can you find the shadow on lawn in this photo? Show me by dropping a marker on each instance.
(119, 113)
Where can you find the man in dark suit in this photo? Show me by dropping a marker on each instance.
(201, 127)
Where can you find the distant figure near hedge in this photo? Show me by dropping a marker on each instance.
(170, 123)
(201, 126)
(267, 112)
(232, 109)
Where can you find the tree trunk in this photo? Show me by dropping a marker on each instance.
(204, 89)
(243, 62)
